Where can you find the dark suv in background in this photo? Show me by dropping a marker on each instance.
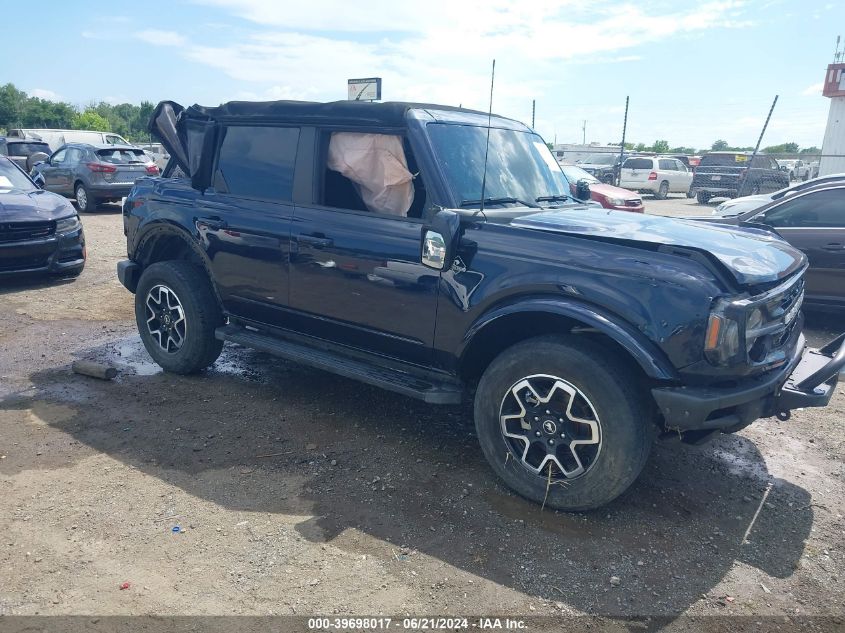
(604, 166)
(25, 152)
(93, 173)
(734, 174)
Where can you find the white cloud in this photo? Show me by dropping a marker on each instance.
(43, 93)
(815, 90)
(161, 38)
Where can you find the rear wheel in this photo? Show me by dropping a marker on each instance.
(690, 193)
(662, 191)
(702, 197)
(177, 313)
(562, 422)
(84, 201)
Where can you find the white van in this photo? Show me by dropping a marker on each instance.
(659, 176)
(56, 138)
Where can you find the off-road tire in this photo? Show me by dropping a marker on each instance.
(627, 428)
(191, 286)
(662, 191)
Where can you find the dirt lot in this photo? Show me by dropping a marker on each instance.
(299, 492)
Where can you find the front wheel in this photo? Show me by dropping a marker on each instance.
(177, 313)
(562, 422)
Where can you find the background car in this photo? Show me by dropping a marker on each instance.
(604, 166)
(812, 220)
(655, 175)
(737, 206)
(93, 173)
(24, 151)
(731, 174)
(608, 196)
(40, 232)
(56, 138)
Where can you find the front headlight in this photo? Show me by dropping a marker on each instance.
(616, 202)
(65, 225)
(754, 323)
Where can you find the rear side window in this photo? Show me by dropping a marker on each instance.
(813, 210)
(638, 163)
(27, 149)
(667, 165)
(122, 156)
(257, 162)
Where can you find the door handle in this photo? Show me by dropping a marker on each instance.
(834, 246)
(215, 224)
(316, 240)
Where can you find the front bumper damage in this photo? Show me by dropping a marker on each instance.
(808, 380)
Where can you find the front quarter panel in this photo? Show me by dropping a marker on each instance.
(660, 299)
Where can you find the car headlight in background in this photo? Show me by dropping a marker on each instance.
(616, 202)
(66, 225)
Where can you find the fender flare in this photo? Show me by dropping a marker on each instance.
(154, 230)
(648, 356)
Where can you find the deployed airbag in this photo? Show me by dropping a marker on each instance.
(376, 164)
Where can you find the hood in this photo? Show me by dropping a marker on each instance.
(33, 206)
(751, 256)
(609, 191)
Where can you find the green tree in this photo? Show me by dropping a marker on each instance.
(660, 147)
(783, 148)
(640, 147)
(719, 146)
(90, 120)
(810, 150)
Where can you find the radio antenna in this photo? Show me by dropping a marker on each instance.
(487, 149)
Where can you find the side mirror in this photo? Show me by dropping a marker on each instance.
(38, 179)
(582, 190)
(440, 240)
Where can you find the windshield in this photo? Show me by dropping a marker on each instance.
(519, 166)
(13, 178)
(600, 159)
(574, 174)
(27, 149)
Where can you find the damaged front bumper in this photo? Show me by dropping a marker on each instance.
(807, 380)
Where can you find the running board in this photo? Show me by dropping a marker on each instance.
(384, 377)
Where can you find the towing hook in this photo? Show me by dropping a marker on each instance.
(783, 416)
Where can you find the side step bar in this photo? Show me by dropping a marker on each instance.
(384, 377)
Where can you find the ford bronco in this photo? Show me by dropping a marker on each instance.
(437, 252)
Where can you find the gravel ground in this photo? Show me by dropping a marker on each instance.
(297, 492)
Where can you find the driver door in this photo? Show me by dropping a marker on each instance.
(54, 172)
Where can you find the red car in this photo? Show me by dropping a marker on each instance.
(608, 196)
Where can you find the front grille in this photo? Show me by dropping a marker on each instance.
(634, 202)
(22, 231)
(780, 311)
(22, 263)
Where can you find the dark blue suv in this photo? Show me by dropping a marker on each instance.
(438, 253)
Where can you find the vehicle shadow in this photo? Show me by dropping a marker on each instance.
(33, 281)
(279, 438)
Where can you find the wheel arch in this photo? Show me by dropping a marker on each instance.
(506, 325)
(164, 241)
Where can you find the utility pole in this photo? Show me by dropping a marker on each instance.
(622, 148)
(584, 133)
(533, 109)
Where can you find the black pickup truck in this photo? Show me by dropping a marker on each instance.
(437, 253)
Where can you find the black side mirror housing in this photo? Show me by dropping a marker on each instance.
(582, 190)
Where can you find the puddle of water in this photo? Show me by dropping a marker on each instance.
(130, 356)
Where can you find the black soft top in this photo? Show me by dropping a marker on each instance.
(389, 113)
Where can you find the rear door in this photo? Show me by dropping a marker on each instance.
(815, 223)
(244, 219)
(684, 176)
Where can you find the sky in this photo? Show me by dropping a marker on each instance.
(695, 71)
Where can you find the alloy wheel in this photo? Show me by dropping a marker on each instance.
(550, 427)
(165, 318)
